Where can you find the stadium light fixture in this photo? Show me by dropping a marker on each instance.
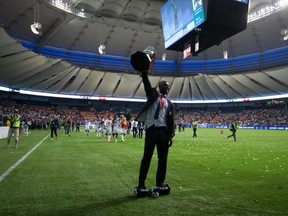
(275, 6)
(36, 27)
(225, 54)
(284, 33)
(37, 93)
(101, 49)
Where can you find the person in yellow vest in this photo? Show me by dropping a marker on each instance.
(14, 128)
(195, 126)
(233, 129)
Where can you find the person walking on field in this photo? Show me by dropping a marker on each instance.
(233, 129)
(124, 127)
(195, 126)
(54, 125)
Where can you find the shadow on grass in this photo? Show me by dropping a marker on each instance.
(97, 208)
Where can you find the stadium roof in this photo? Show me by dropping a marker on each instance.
(125, 26)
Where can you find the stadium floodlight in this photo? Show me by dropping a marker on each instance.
(225, 54)
(101, 49)
(36, 28)
(284, 33)
(267, 10)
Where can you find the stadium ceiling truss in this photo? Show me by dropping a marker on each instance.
(23, 69)
(124, 27)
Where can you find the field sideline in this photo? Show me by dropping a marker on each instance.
(209, 175)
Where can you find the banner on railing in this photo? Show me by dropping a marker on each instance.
(246, 127)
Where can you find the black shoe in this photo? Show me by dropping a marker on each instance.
(141, 187)
(162, 186)
(141, 191)
(163, 189)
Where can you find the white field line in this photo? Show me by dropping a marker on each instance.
(5, 174)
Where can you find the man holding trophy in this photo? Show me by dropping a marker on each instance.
(158, 117)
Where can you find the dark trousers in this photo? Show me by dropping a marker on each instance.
(194, 132)
(53, 131)
(140, 133)
(232, 135)
(134, 131)
(155, 136)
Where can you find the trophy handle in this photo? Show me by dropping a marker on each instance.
(152, 62)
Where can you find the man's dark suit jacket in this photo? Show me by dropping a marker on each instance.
(152, 95)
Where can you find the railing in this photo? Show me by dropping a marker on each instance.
(255, 62)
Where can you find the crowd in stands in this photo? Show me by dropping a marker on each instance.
(255, 117)
(39, 116)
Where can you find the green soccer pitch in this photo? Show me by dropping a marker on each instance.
(83, 175)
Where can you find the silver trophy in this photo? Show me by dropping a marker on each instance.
(140, 61)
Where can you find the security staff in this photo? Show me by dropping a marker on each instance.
(233, 129)
(14, 128)
(195, 126)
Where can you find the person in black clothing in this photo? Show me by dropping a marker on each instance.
(158, 115)
(78, 127)
(140, 129)
(134, 127)
(54, 127)
(233, 128)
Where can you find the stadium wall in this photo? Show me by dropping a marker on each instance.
(3, 132)
(246, 127)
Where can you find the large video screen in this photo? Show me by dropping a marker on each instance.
(180, 17)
